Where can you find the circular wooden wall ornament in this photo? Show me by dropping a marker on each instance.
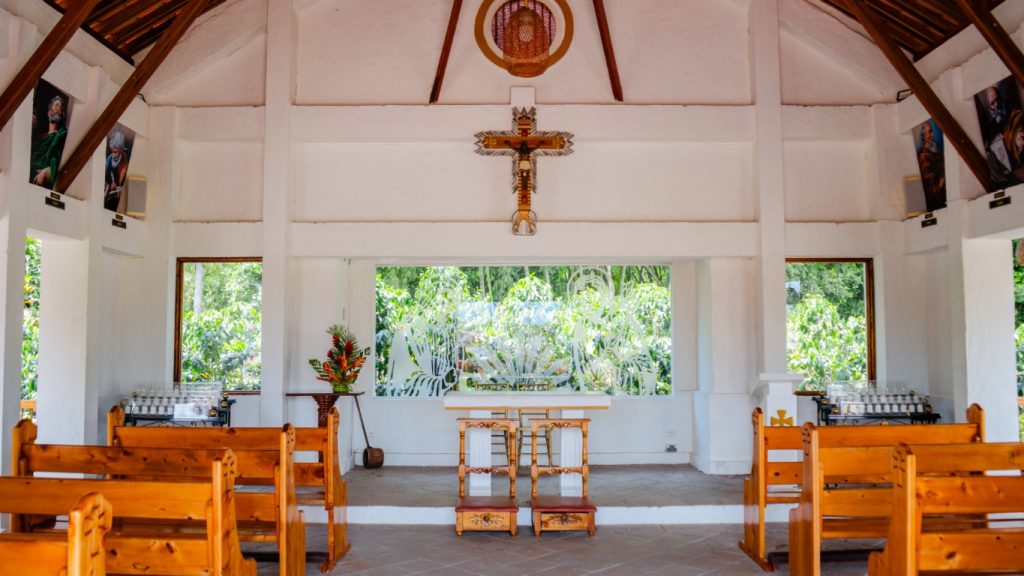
(486, 13)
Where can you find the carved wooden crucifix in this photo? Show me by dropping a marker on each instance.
(525, 143)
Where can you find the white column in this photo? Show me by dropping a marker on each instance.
(770, 185)
(478, 442)
(277, 185)
(14, 162)
(570, 454)
(981, 327)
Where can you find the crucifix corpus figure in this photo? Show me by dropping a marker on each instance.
(525, 143)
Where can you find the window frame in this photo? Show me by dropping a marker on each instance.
(179, 285)
(869, 300)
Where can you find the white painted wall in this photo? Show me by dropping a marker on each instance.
(723, 161)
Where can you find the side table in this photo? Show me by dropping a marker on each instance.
(324, 401)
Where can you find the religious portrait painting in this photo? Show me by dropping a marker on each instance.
(120, 141)
(51, 115)
(1001, 119)
(931, 163)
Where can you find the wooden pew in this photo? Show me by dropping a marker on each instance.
(312, 483)
(846, 472)
(180, 528)
(79, 554)
(770, 482)
(948, 481)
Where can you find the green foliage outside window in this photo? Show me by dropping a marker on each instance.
(221, 323)
(826, 330)
(30, 322)
(596, 328)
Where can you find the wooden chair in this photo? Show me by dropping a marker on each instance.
(486, 513)
(560, 512)
(527, 415)
(846, 477)
(80, 554)
(316, 483)
(949, 481)
(265, 458)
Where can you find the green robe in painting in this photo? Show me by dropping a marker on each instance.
(46, 153)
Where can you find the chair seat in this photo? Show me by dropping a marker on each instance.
(562, 504)
(487, 503)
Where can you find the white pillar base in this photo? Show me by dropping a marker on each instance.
(479, 447)
(570, 453)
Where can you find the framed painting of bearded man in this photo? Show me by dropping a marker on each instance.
(51, 115)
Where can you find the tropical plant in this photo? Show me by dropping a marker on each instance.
(221, 324)
(588, 328)
(344, 360)
(30, 322)
(823, 346)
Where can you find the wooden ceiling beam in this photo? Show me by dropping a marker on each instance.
(995, 35)
(120, 102)
(609, 50)
(925, 95)
(27, 78)
(446, 50)
(159, 18)
(126, 17)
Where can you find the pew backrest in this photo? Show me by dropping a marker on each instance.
(210, 503)
(256, 448)
(81, 553)
(952, 481)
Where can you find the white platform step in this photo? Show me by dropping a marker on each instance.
(606, 515)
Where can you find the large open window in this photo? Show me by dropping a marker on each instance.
(830, 332)
(599, 328)
(218, 321)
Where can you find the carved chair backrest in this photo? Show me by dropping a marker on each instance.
(542, 425)
(490, 424)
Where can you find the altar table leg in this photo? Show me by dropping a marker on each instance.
(479, 441)
(571, 454)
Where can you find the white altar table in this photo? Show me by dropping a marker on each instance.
(480, 405)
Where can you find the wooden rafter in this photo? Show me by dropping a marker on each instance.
(80, 157)
(27, 78)
(996, 35)
(925, 95)
(446, 49)
(609, 51)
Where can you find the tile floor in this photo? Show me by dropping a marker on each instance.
(646, 485)
(387, 550)
(615, 550)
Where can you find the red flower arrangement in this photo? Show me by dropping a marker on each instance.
(344, 360)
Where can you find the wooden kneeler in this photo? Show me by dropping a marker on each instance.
(560, 512)
(487, 513)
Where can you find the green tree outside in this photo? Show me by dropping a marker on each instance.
(221, 323)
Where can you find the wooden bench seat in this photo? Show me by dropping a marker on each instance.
(172, 528)
(315, 483)
(846, 477)
(79, 552)
(950, 482)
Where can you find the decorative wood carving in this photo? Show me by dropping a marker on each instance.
(525, 143)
